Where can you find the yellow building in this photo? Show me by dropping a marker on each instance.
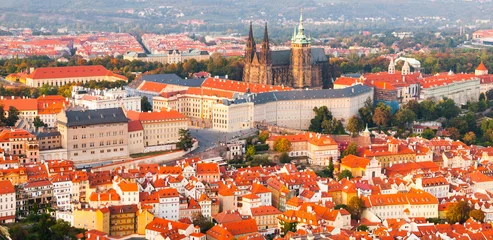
(15, 175)
(390, 153)
(356, 165)
(89, 218)
(144, 217)
(17, 77)
(265, 216)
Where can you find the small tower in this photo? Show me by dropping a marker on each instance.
(301, 67)
(406, 69)
(481, 70)
(266, 60)
(391, 66)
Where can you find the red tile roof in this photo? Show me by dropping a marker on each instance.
(27, 104)
(355, 161)
(6, 187)
(72, 72)
(241, 87)
(152, 86)
(134, 126)
(481, 67)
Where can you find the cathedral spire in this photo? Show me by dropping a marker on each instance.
(300, 37)
(301, 29)
(250, 46)
(266, 54)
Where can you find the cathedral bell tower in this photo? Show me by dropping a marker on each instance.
(266, 60)
(250, 55)
(301, 67)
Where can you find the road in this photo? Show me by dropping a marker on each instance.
(209, 138)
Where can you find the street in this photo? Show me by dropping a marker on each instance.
(209, 138)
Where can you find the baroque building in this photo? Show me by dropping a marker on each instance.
(302, 66)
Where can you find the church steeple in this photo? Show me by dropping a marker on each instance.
(266, 54)
(251, 48)
(392, 66)
(300, 37)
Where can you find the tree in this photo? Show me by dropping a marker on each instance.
(284, 158)
(250, 151)
(261, 161)
(356, 207)
(404, 117)
(477, 214)
(38, 123)
(489, 94)
(458, 212)
(282, 145)
(447, 108)
(428, 133)
(427, 110)
(145, 105)
(382, 115)
(263, 136)
(344, 174)
(204, 224)
(330, 169)
(482, 97)
(340, 206)
(366, 112)
(414, 106)
(469, 138)
(185, 141)
(454, 133)
(352, 149)
(13, 116)
(355, 125)
(322, 114)
(288, 227)
(362, 228)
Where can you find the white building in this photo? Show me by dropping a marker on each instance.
(101, 99)
(169, 204)
(7, 202)
(459, 87)
(436, 186)
(62, 190)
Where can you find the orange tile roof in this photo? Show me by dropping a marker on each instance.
(22, 104)
(207, 168)
(383, 85)
(416, 197)
(168, 193)
(265, 210)
(241, 87)
(6, 187)
(355, 161)
(220, 233)
(242, 227)
(445, 79)
(210, 92)
(165, 115)
(152, 86)
(477, 176)
(72, 72)
(110, 195)
(313, 138)
(161, 225)
(481, 67)
(347, 81)
(134, 126)
(128, 187)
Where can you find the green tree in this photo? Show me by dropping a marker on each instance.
(288, 227)
(477, 214)
(38, 123)
(382, 115)
(145, 105)
(414, 106)
(469, 138)
(489, 95)
(330, 169)
(447, 108)
(355, 206)
(366, 112)
(13, 116)
(282, 145)
(428, 133)
(204, 223)
(340, 206)
(351, 149)
(185, 141)
(458, 212)
(427, 110)
(322, 114)
(355, 125)
(404, 117)
(344, 174)
(482, 97)
(284, 158)
(250, 151)
(263, 136)
(362, 228)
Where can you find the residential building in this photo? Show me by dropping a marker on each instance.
(49, 140)
(169, 204)
(7, 202)
(101, 99)
(90, 135)
(123, 220)
(20, 143)
(89, 218)
(34, 195)
(459, 87)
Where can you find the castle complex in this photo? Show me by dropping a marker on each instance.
(302, 66)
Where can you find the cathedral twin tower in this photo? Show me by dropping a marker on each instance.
(300, 67)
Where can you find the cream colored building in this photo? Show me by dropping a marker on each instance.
(229, 117)
(294, 109)
(91, 135)
(135, 137)
(59, 76)
(160, 127)
(459, 87)
(169, 57)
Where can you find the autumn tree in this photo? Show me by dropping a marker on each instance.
(250, 152)
(458, 212)
(454, 133)
(477, 214)
(282, 145)
(355, 125)
(469, 138)
(382, 115)
(403, 117)
(355, 207)
(263, 136)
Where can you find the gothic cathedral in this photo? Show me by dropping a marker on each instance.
(300, 67)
